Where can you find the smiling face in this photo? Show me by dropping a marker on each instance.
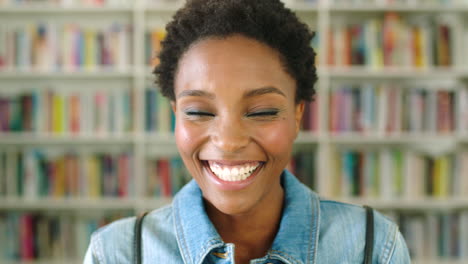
(236, 120)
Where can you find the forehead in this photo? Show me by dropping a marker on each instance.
(235, 62)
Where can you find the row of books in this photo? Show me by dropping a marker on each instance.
(310, 116)
(153, 39)
(52, 173)
(34, 236)
(413, 42)
(90, 3)
(35, 173)
(394, 108)
(69, 47)
(56, 111)
(303, 166)
(385, 173)
(435, 235)
(165, 177)
(159, 116)
(395, 173)
(389, 108)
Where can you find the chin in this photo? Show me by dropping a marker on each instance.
(231, 206)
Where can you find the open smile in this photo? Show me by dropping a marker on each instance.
(232, 175)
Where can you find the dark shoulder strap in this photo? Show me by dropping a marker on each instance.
(369, 248)
(137, 239)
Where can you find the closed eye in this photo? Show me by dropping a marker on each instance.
(266, 113)
(196, 113)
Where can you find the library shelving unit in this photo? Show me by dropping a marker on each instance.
(332, 146)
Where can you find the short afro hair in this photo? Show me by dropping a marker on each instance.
(267, 21)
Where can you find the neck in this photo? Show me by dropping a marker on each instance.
(252, 232)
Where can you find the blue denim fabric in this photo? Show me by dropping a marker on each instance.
(312, 230)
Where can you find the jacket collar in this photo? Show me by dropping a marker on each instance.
(297, 237)
(295, 242)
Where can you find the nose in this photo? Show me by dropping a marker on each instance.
(229, 135)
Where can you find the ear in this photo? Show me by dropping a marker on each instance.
(298, 115)
(173, 106)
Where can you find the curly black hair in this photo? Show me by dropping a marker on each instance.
(267, 21)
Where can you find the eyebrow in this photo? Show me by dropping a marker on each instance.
(196, 93)
(252, 93)
(263, 90)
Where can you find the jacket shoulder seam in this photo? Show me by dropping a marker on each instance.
(96, 246)
(390, 245)
(327, 201)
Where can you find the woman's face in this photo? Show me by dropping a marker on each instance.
(236, 120)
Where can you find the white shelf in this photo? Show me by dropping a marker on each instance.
(49, 139)
(102, 74)
(56, 9)
(61, 204)
(306, 137)
(160, 138)
(335, 73)
(77, 204)
(381, 138)
(423, 204)
(395, 73)
(420, 8)
(400, 138)
(168, 139)
(170, 6)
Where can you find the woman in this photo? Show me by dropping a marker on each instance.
(237, 73)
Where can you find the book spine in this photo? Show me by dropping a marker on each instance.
(164, 177)
(119, 114)
(164, 114)
(26, 237)
(3, 47)
(129, 110)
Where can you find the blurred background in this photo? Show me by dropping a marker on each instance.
(85, 137)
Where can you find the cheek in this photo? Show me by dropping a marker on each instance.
(277, 139)
(186, 136)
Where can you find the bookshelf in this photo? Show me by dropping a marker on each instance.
(149, 138)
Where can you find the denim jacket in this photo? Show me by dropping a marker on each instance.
(312, 230)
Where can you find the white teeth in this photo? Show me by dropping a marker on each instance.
(243, 170)
(233, 173)
(226, 172)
